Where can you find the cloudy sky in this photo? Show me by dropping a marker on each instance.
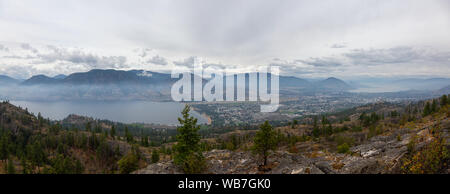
(345, 38)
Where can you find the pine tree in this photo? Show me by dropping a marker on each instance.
(113, 132)
(128, 163)
(187, 150)
(294, 123)
(444, 100)
(316, 131)
(155, 156)
(11, 169)
(88, 126)
(25, 168)
(4, 147)
(264, 141)
(79, 168)
(98, 129)
(434, 107)
(128, 135)
(146, 144)
(427, 109)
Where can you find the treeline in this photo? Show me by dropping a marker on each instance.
(56, 151)
(155, 136)
(30, 144)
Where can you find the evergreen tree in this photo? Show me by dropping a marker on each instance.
(146, 143)
(188, 154)
(36, 154)
(427, 109)
(3, 147)
(98, 129)
(329, 130)
(79, 168)
(444, 100)
(128, 163)
(155, 156)
(11, 169)
(434, 107)
(316, 131)
(113, 132)
(294, 123)
(88, 126)
(128, 135)
(25, 168)
(324, 122)
(264, 141)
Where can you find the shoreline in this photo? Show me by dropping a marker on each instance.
(203, 115)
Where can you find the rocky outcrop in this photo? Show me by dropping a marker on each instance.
(379, 154)
(229, 162)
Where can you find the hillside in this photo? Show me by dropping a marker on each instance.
(444, 90)
(8, 80)
(31, 144)
(103, 77)
(332, 84)
(374, 138)
(40, 79)
(371, 139)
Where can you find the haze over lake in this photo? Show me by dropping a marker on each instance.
(121, 111)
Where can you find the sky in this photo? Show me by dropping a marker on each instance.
(306, 38)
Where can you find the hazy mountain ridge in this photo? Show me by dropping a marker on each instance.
(8, 80)
(110, 84)
(40, 79)
(60, 76)
(110, 76)
(444, 90)
(332, 83)
(102, 77)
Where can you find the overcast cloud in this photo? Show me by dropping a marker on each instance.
(307, 38)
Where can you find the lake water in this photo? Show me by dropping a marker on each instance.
(122, 111)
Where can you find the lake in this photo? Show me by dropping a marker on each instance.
(165, 113)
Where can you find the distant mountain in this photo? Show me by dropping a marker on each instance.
(109, 84)
(98, 76)
(422, 84)
(290, 81)
(332, 84)
(444, 90)
(8, 80)
(135, 77)
(60, 76)
(102, 77)
(40, 79)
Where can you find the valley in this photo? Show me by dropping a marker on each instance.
(379, 137)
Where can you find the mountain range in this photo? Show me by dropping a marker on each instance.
(102, 84)
(137, 77)
(102, 77)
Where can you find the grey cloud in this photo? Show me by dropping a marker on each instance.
(321, 62)
(80, 57)
(26, 46)
(297, 67)
(395, 55)
(359, 59)
(188, 62)
(339, 45)
(17, 71)
(142, 52)
(4, 48)
(158, 60)
(293, 70)
(19, 57)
